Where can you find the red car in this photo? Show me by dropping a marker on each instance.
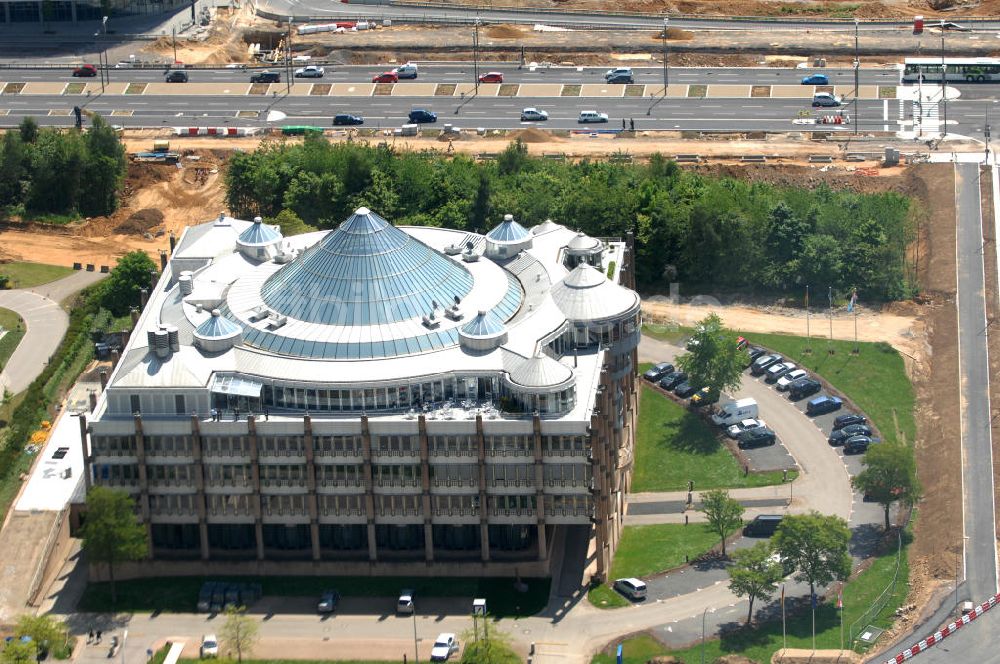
(386, 77)
(491, 77)
(85, 70)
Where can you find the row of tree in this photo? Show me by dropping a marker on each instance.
(50, 171)
(695, 230)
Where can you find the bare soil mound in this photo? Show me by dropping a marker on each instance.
(532, 135)
(140, 222)
(504, 31)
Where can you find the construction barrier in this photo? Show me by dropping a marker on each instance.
(944, 633)
(215, 131)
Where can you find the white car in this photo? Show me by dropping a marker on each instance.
(632, 588)
(592, 116)
(735, 430)
(532, 114)
(209, 646)
(619, 71)
(312, 71)
(405, 605)
(406, 71)
(444, 645)
(789, 378)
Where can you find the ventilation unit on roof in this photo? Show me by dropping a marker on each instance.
(431, 322)
(260, 312)
(458, 300)
(275, 320)
(453, 313)
(453, 250)
(469, 256)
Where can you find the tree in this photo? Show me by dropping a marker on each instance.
(28, 130)
(120, 291)
(239, 632)
(111, 532)
(755, 574)
(724, 514)
(816, 545)
(47, 631)
(104, 170)
(493, 647)
(291, 224)
(17, 651)
(889, 475)
(12, 169)
(714, 360)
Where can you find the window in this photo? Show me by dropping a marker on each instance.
(179, 404)
(135, 403)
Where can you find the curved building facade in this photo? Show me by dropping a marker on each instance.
(370, 400)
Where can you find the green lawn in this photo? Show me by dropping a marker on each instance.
(673, 445)
(11, 322)
(647, 550)
(761, 643)
(287, 661)
(874, 379)
(180, 594)
(28, 275)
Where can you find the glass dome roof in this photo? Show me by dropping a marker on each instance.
(217, 327)
(485, 324)
(508, 231)
(259, 234)
(366, 272)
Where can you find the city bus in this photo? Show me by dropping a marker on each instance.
(958, 70)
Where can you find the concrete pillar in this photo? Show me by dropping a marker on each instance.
(41, 14)
(92, 397)
(366, 455)
(72, 6)
(425, 488)
(312, 501)
(206, 552)
(259, 535)
(140, 453)
(200, 500)
(484, 529)
(255, 480)
(428, 541)
(536, 425)
(87, 458)
(6, 11)
(543, 545)
(103, 374)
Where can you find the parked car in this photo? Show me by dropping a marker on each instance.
(532, 114)
(592, 116)
(405, 603)
(209, 646)
(346, 119)
(420, 116)
(826, 99)
(790, 378)
(620, 79)
(741, 343)
(176, 77)
(848, 419)
(764, 362)
(764, 525)
(760, 437)
(823, 404)
(310, 71)
(838, 436)
(266, 77)
(857, 444)
(816, 79)
(491, 77)
(742, 426)
(734, 411)
(205, 597)
(444, 645)
(632, 588)
(386, 77)
(685, 389)
(802, 388)
(658, 371)
(672, 380)
(618, 71)
(753, 352)
(85, 71)
(704, 397)
(328, 601)
(406, 71)
(776, 371)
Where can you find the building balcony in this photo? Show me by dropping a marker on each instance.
(564, 456)
(173, 515)
(510, 455)
(174, 455)
(342, 515)
(564, 486)
(510, 486)
(284, 515)
(394, 456)
(118, 483)
(172, 486)
(339, 456)
(504, 515)
(283, 485)
(453, 456)
(228, 455)
(456, 515)
(340, 486)
(448, 485)
(228, 486)
(568, 515)
(229, 515)
(396, 485)
(284, 455)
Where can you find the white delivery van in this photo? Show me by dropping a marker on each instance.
(734, 411)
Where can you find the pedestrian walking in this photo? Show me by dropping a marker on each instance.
(623, 124)
(98, 636)
(90, 636)
(631, 124)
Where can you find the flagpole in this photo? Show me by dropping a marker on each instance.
(840, 607)
(808, 348)
(830, 296)
(812, 601)
(784, 635)
(854, 306)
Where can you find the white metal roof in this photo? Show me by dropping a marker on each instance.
(587, 295)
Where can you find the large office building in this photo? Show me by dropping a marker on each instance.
(375, 400)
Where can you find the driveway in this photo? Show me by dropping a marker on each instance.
(46, 323)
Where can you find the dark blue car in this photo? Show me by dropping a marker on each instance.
(823, 404)
(816, 79)
(346, 119)
(419, 116)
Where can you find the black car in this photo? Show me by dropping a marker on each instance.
(704, 397)
(420, 116)
(672, 380)
(857, 444)
(848, 419)
(755, 351)
(840, 435)
(621, 78)
(347, 119)
(266, 77)
(763, 363)
(685, 389)
(658, 371)
(177, 77)
(756, 438)
(802, 388)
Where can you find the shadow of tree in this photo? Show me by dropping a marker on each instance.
(688, 434)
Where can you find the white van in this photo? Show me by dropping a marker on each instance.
(734, 411)
(632, 588)
(406, 71)
(592, 116)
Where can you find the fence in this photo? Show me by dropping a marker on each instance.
(882, 599)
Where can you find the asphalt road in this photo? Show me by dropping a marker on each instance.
(464, 72)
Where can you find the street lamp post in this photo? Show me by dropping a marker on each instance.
(944, 85)
(173, 36)
(475, 53)
(986, 159)
(703, 635)
(857, 73)
(416, 653)
(666, 57)
(288, 58)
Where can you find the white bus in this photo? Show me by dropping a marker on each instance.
(958, 70)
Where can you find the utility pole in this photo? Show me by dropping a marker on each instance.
(416, 653)
(944, 85)
(173, 35)
(987, 136)
(666, 57)
(288, 58)
(857, 73)
(475, 53)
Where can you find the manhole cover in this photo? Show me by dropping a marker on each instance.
(869, 635)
